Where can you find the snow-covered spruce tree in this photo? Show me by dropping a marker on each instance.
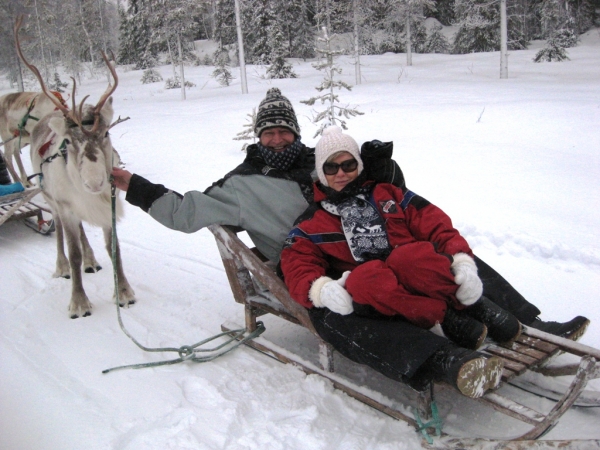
(224, 22)
(151, 76)
(57, 84)
(566, 36)
(381, 28)
(248, 132)
(222, 73)
(551, 52)
(333, 114)
(301, 30)
(256, 21)
(436, 42)
(279, 67)
(136, 46)
(443, 11)
(478, 26)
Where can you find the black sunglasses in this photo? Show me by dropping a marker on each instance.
(348, 166)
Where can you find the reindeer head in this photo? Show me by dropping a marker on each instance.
(87, 146)
(82, 132)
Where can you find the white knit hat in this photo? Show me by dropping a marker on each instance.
(334, 141)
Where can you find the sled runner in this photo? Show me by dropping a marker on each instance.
(20, 206)
(256, 286)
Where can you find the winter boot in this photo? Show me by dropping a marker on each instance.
(503, 327)
(573, 329)
(472, 373)
(463, 329)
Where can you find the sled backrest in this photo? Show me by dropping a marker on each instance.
(253, 280)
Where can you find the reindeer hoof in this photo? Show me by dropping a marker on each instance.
(93, 269)
(67, 277)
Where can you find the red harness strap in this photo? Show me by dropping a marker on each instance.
(44, 148)
(60, 99)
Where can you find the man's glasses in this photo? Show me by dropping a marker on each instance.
(348, 166)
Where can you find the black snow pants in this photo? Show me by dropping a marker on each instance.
(396, 348)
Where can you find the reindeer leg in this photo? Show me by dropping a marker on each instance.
(126, 293)
(8, 156)
(80, 304)
(24, 181)
(90, 265)
(62, 263)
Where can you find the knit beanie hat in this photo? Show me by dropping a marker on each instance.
(276, 111)
(333, 141)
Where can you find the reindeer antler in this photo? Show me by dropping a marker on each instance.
(70, 114)
(37, 73)
(107, 93)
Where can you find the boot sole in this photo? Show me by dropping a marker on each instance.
(479, 375)
(576, 335)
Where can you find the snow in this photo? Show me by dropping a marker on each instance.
(514, 162)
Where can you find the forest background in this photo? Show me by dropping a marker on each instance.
(64, 37)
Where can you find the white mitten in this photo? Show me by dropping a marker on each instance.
(465, 275)
(328, 293)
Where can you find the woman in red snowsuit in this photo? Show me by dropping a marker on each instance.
(398, 253)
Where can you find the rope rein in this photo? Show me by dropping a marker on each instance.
(185, 352)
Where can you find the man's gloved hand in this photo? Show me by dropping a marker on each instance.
(465, 275)
(328, 293)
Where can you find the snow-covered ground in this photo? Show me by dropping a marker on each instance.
(515, 163)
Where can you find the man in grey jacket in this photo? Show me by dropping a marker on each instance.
(267, 193)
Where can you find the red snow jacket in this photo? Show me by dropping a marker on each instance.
(318, 243)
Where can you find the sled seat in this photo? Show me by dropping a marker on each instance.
(19, 206)
(256, 286)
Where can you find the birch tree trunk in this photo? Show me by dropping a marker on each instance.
(408, 40)
(357, 74)
(172, 57)
(103, 37)
(240, 38)
(503, 41)
(87, 35)
(39, 29)
(181, 66)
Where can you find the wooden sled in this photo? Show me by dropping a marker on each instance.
(20, 206)
(255, 285)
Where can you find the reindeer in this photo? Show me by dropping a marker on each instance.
(19, 113)
(74, 155)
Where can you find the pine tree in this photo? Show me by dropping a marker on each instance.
(222, 73)
(279, 67)
(301, 30)
(551, 52)
(436, 42)
(479, 25)
(257, 20)
(248, 132)
(136, 46)
(333, 114)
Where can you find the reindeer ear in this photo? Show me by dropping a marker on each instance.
(107, 111)
(58, 125)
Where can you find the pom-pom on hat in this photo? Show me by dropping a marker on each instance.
(333, 141)
(276, 111)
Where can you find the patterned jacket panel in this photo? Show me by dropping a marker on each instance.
(318, 244)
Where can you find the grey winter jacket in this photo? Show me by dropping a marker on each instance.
(265, 207)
